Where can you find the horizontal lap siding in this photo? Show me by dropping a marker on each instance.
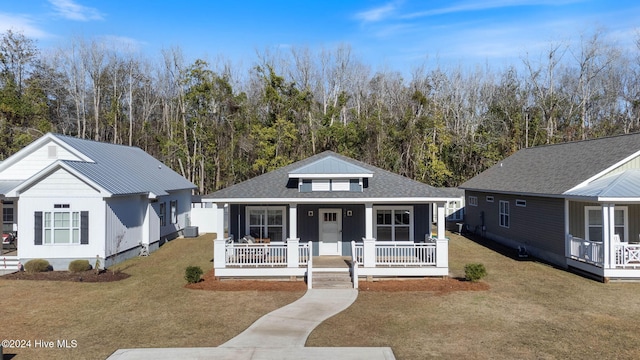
(577, 219)
(539, 224)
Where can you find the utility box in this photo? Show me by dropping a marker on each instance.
(191, 231)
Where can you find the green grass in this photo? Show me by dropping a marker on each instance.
(149, 309)
(532, 311)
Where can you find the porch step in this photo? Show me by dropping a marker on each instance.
(332, 280)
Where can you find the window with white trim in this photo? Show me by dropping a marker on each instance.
(454, 210)
(163, 214)
(266, 222)
(593, 223)
(174, 211)
(394, 224)
(521, 203)
(473, 200)
(7, 216)
(61, 227)
(504, 213)
(489, 198)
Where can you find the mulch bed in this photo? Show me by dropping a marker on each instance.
(83, 276)
(436, 285)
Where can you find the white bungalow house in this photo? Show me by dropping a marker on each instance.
(576, 205)
(330, 205)
(70, 198)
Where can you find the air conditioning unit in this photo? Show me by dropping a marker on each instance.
(191, 231)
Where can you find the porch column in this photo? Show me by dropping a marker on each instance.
(292, 252)
(442, 252)
(369, 252)
(441, 222)
(608, 230)
(219, 220)
(368, 220)
(293, 221)
(219, 251)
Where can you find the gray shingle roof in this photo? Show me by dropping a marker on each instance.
(123, 169)
(554, 169)
(273, 185)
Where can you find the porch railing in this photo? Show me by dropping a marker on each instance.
(274, 254)
(627, 255)
(591, 252)
(397, 253)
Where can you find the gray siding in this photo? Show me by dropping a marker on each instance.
(577, 219)
(539, 225)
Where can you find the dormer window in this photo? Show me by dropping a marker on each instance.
(308, 185)
(331, 174)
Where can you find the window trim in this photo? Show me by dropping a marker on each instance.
(521, 203)
(472, 201)
(392, 225)
(283, 209)
(162, 213)
(455, 213)
(625, 225)
(173, 208)
(504, 214)
(74, 217)
(489, 198)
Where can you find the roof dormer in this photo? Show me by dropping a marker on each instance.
(331, 174)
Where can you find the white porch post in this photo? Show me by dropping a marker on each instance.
(442, 252)
(293, 221)
(608, 229)
(369, 252)
(292, 252)
(441, 222)
(368, 220)
(219, 220)
(219, 251)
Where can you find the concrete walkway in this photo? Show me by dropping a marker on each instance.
(281, 334)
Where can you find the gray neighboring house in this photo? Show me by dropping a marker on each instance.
(70, 198)
(575, 204)
(328, 201)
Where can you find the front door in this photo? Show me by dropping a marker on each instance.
(330, 232)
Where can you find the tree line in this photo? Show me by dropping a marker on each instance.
(217, 124)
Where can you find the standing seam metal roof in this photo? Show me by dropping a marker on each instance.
(121, 169)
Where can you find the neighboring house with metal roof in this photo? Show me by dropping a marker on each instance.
(71, 198)
(575, 204)
(331, 205)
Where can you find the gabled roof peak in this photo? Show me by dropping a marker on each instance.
(330, 165)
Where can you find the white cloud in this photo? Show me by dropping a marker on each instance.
(21, 24)
(376, 14)
(68, 9)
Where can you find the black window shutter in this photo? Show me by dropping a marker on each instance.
(84, 227)
(37, 220)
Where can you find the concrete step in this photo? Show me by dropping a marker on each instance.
(332, 280)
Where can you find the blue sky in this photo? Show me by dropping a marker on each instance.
(394, 35)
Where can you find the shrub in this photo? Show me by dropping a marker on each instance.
(192, 274)
(474, 272)
(79, 265)
(37, 265)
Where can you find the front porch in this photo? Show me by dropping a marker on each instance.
(368, 258)
(613, 261)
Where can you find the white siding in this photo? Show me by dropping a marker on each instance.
(35, 161)
(27, 206)
(60, 180)
(183, 198)
(124, 223)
